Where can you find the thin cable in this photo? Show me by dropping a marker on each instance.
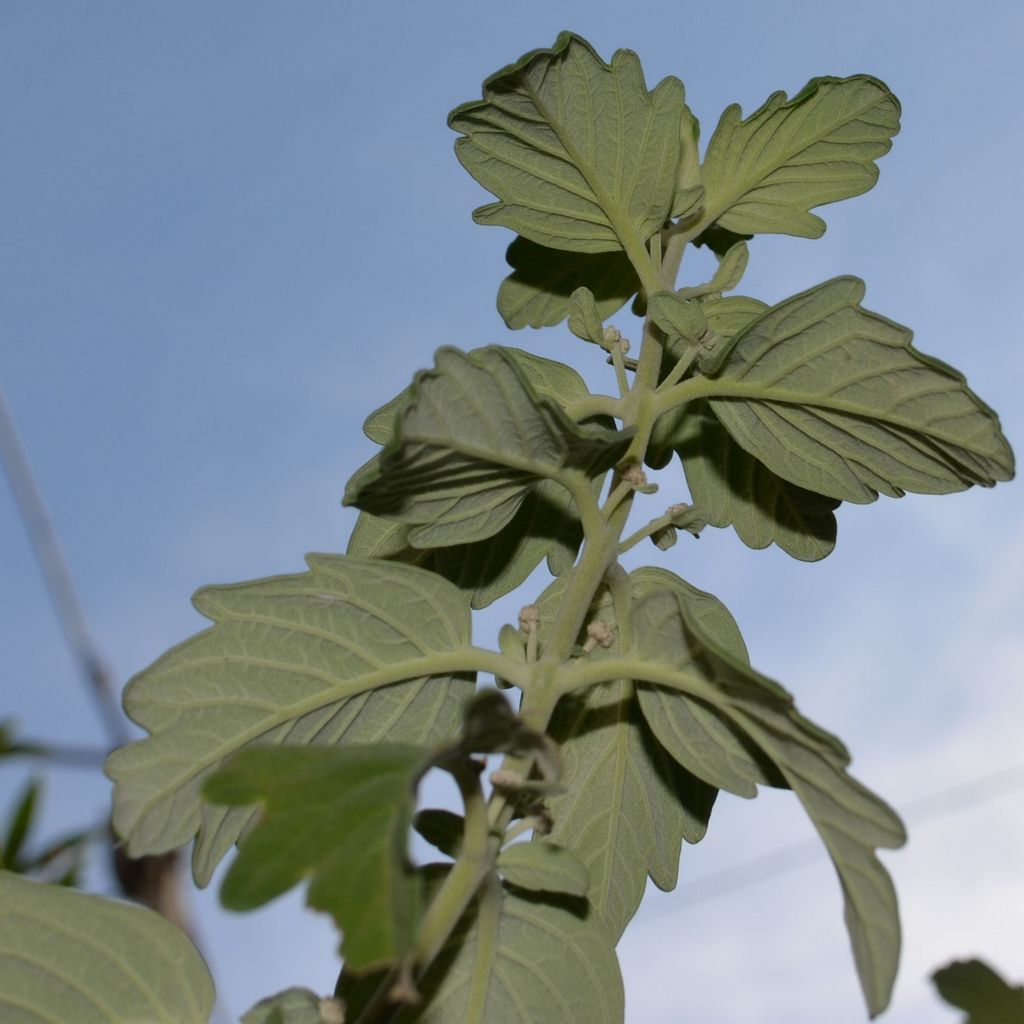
(55, 571)
(959, 797)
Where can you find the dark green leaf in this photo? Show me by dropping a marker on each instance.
(851, 821)
(625, 806)
(442, 829)
(292, 660)
(835, 399)
(536, 293)
(765, 173)
(973, 986)
(68, 956)
(19, 824)
(543, 867)
(473, 441)
(340, 816)
(580, 155)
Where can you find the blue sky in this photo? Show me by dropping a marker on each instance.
(231, 230)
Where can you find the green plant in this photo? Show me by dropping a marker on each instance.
(300, 724)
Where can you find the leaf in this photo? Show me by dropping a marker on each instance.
(514, 960)
(681, 656)
(71, 956)
(765, 174)
(835, 399)
(543, 867)
(473, 441)
(18, 825)
(678, 317)
(536, 293)
(292, 1006)
(316, 658)
(442, 829)
(579, 153)
(733, 489)
(585, 320)
(731, 268)
(626, 806)
(342, 817)
(973, 986)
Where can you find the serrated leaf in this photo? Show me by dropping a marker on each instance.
(851, 821)
(340, 816)
(473, 441)
(765, 174)
(733, 489)
(626, 806)
(514, 960)
(315, 658)
(579, 153)
(973, 986)
(546, 526)
(292, 1006)
(442, 829)
(536, 293)
(71, 956)
(835, 399)
(543, 867)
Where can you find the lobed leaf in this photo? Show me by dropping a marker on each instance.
(537, 292)
(472, 442)
(316, 658)
(71, 956)
(851, 821)
(835, 399)
(765, 174)
(514, 959)
(579, 153)
(342, 817)
(626, 805)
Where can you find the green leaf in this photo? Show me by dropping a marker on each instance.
(316, 658)
(585, 320)
(733, 489)
(765, 174)
(731, 268)
(543, 867)
(473, 441)
(19, 824)
(292, 1006)
(835, 399)
(70, 956)
(442, 829)
(679, 318)
(681, 657)
(626, 806)
(342, 817)
(536, 293)
(579, 153)
(514, 960)
(973, 986)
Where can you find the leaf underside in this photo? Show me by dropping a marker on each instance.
(292, 1006)
(834, 398)
(765, 173)
(72, 956)
(578, 152)
(296, 660)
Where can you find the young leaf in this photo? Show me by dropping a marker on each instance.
(513, 959)
(836, 400)
(442, 829)
(730, 272)
(71, 956)
(342, 817)
(850, 820)
(580, 155)
(585, 320)
(293, 1006)
(733, 489)
(973, 986)
(765, 174)
(679, 318)
(473, 441)
(536, 293)
(316, 658)
(543, 867)
(625, 807)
